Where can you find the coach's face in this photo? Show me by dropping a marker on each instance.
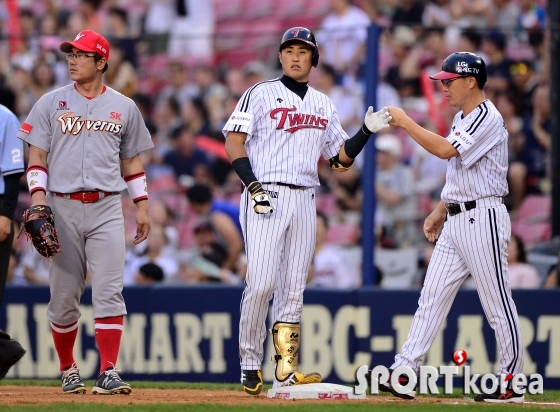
(458, 91)
(296, 61)
(82, 66)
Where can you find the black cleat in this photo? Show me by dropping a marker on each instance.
(252, 381)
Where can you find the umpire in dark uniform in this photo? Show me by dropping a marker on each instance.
(11, 169)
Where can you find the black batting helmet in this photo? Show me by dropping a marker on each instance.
(462, 64)
(305, 36)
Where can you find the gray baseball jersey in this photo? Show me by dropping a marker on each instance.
(285, 137)
(11, 148)
(473, 241)
(85, 138)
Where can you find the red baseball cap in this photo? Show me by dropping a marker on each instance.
(88, 41)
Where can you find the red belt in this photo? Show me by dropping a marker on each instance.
(84, 197)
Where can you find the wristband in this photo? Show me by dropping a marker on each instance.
(37, 179)
(242, 167)
(137, 186)
(356, 143)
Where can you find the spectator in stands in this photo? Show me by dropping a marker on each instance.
(509, 106)
(330, 267)
(121, 74)
(194, 113)
(178, 85)
(254, 72)
(526, 173)
(192, 30)
(34, 267)
(41, 81)
(401, 42)
(522, 275)
(223, 218)
(409, 13)
(429, 173)
(167, 119)
(531, 16)
(89, 12)
(157, 24)
(503, 15)
(349, 105)
(148, 274)
(8, 96)
(471, 13)
(118, 31)
(552, 278)
(471, 41)
(155, 253)
(437, 13)
(205, 261)
(498, 64)
(342, 39)
(525, 80)
(212, 94)
(184, 157)
(394, 188)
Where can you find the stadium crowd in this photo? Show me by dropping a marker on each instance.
(186, 63)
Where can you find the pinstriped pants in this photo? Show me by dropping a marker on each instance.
(472, 242)
(280, 249)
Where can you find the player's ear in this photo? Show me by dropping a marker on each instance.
(280, 56)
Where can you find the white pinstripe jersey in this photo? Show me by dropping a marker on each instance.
(285, 134)
(480, 169)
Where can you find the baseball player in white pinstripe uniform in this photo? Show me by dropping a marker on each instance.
(471, 223)
(274, 139)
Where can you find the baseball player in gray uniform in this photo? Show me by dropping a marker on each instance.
(274, 139)
(78, 134)
(11, 169)
(471, 223)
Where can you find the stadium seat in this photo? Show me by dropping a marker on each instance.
(288, 8)
(532, 223)
(398, 267)
(260, 8)
(317, 8)
(343, 234)
(228, 9)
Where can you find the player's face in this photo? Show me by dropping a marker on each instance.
(83, 68)
(296, 61)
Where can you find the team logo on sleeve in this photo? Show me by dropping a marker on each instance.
(74, 125)
(292, 122)
(26, 128)
(62, 105)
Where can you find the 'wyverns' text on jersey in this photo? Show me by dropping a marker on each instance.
(74, 125)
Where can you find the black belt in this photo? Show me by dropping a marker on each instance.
(295, 187)
(455, 208)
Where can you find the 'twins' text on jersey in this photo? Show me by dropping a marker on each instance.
(286, 134)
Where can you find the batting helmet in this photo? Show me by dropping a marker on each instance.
(305, 36)
(462, 64)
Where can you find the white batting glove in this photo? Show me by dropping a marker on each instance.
(377, 121)
(262, 203)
